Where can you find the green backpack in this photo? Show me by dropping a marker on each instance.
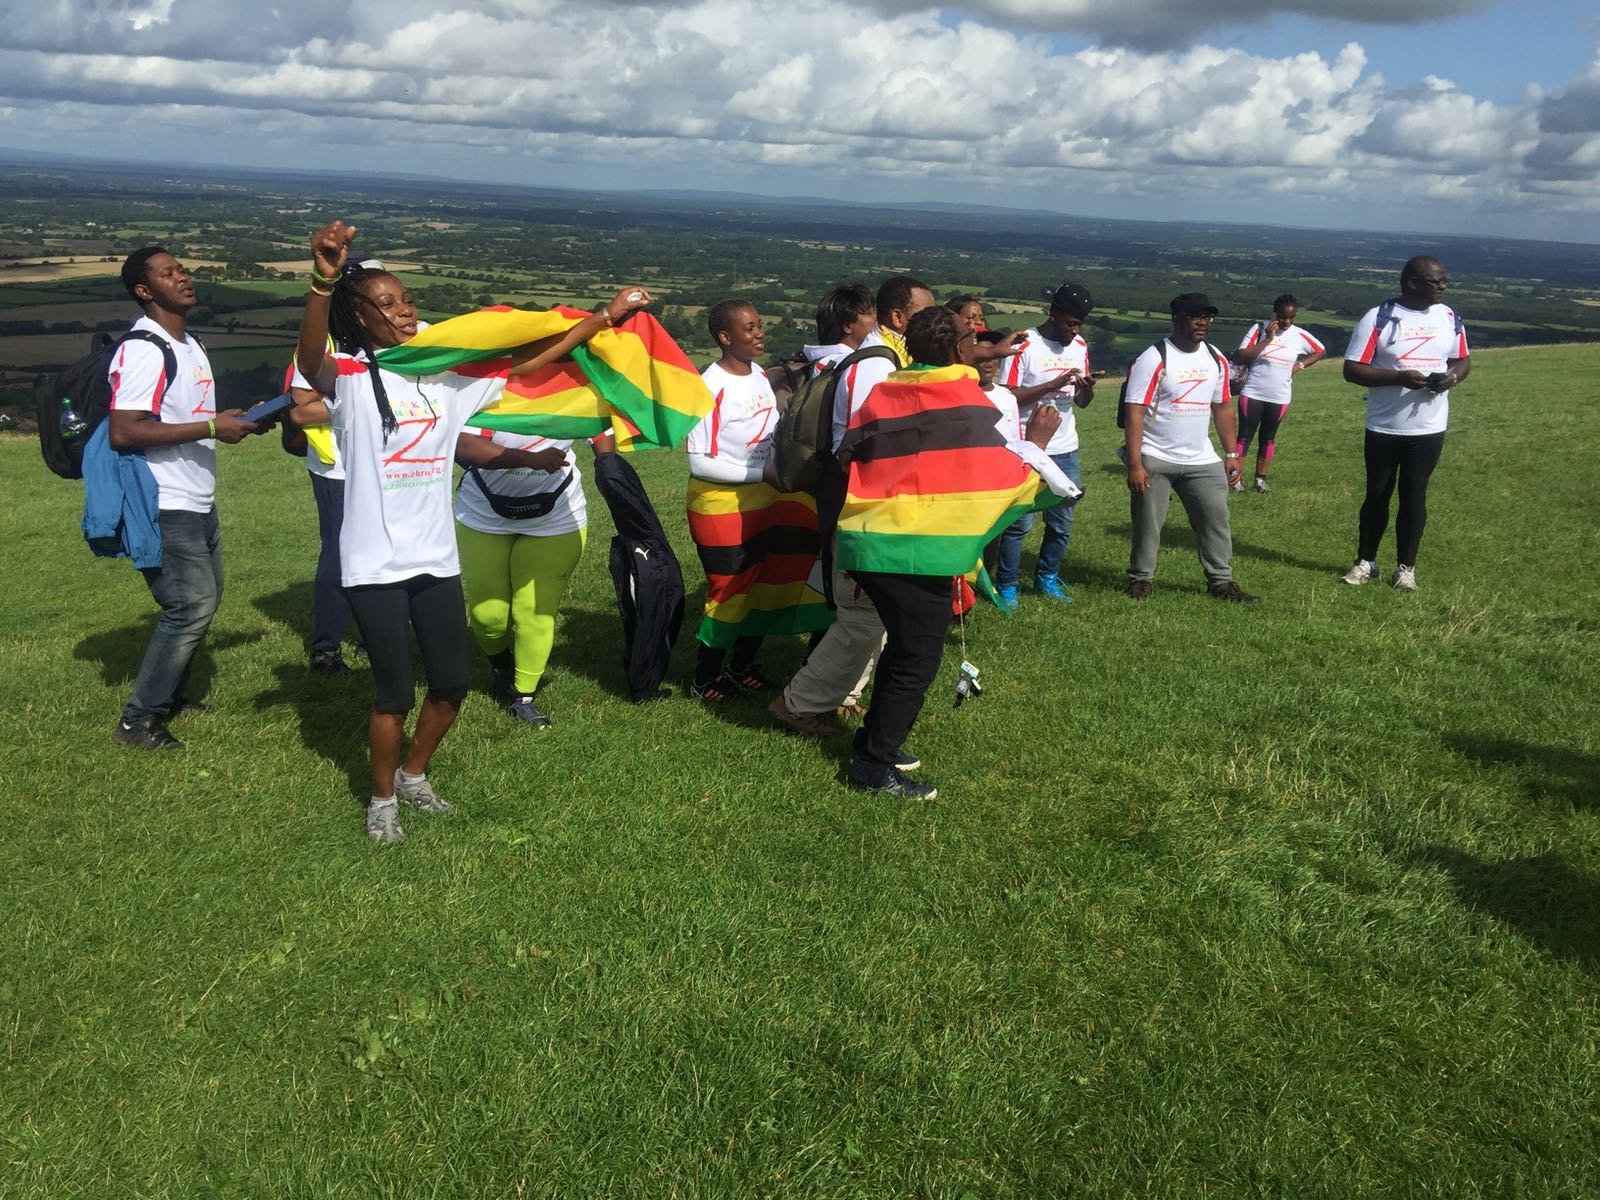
(802, 443)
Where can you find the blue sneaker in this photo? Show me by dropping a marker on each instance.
(1050, 585)
(1006, 598)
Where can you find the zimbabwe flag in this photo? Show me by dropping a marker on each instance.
(758, 547)
(632, 378)
(931, 479)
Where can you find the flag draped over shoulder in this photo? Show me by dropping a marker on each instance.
(632, 378)
(759, 549)
(931, 479)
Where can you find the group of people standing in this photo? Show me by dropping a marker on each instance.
(920, 396)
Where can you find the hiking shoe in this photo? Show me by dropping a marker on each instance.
(1140, 589)
(148, 734)
(715, 690)
(419, 794)
(1050, 585)
(383, 824)
(330, 663)
(522, 708)
(1005, 598)
(805, 724)
(1232, 592)
(896, 784)
(1236, 486)
(1362, 572)
(1261, 485)
(1404, 579)
(854, 709)
(906, 762)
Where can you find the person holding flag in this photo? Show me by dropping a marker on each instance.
(397, 435)
(930, 478)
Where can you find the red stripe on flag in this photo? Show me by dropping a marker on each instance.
(938, 472)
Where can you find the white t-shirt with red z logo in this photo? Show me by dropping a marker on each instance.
(1041, 361)
(1177, 401)
(1409, 340)
(397, 513)
(738, 429)
(1272, 372)
(186, 474)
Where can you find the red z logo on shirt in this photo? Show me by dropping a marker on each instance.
(399, 456)
(1416, 344)
(766, 419)
(1190, 387)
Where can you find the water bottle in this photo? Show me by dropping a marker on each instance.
(72, 425)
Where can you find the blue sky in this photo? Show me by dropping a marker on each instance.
(1244, 110)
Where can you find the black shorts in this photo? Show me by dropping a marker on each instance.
(434, 609)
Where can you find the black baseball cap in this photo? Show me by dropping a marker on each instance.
(1070, 298)
(1193, 304)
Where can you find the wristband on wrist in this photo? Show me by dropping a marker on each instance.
(211, 425)
(324, 280)
(605, 311)
(316, 291)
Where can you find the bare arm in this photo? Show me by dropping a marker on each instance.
(137, 430)
(1133, 443)
(1226, 419)
(1367, 375)
(330, 250)
(481, 452)
(545, 351)
(309, 408)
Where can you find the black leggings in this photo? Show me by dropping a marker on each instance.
(434, 609)
(1257, 414)
(708, 663)
(1411, 459)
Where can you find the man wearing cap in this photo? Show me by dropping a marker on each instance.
(1052, 369)
(1176, 389)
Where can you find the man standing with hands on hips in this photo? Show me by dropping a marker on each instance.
(1176, 389)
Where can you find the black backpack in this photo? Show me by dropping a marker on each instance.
(1161, 349)
(802, 443)
(86, 389)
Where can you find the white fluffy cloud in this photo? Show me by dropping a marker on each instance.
(807, 96)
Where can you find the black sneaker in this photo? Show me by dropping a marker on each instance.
(1233, 593)
(1140, 589)
(330, 663)
(148, 734)
(896, 784)
(522, 708)
(906, 762)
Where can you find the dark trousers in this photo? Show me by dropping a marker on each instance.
(188, 587)
(708, 663)
(916, 614)
(429, 606)
(1409, 461)
(330, 609)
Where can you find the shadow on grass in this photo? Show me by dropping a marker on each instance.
(1182, 535)
(1541, 899)
(118, 652)
(1547, 772)
(333, 715)
(294, 607)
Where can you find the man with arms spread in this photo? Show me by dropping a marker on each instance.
(175, 423)
(1175, 390)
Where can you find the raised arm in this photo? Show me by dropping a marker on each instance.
(552, 349)
(330, 250)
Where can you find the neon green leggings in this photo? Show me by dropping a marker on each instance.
(514, 586)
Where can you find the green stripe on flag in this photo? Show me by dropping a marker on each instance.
(547, 425)
(660, 426)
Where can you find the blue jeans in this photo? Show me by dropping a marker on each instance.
(188, 587)
(1057, 533)
(330, 610)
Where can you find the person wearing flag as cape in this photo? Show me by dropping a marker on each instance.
(758, 545)
(930, 479)
(397, 435)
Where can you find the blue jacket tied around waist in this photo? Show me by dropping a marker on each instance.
(121, 509)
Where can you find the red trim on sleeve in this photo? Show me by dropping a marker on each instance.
(349, 366)
(1155, 381)
(1255, 334)
(716, 421)
(1014, 374)
(1316, 346)
(1370, 348)
(161, 390)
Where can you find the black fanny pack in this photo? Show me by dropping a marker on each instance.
(520, 508)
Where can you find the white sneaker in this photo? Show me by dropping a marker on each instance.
(383, 824)
(1261, 484)
(1236, 486)
(1362, 572)
(1404, 579)
(419, 794)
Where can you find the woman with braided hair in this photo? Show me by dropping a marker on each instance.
(398, 437)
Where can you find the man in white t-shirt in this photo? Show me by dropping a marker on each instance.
(1053, 370)
(1275, 351)
(1408, 353)
(1176, 390)
(176, 425)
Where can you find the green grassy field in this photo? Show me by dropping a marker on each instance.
(1296, 900)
